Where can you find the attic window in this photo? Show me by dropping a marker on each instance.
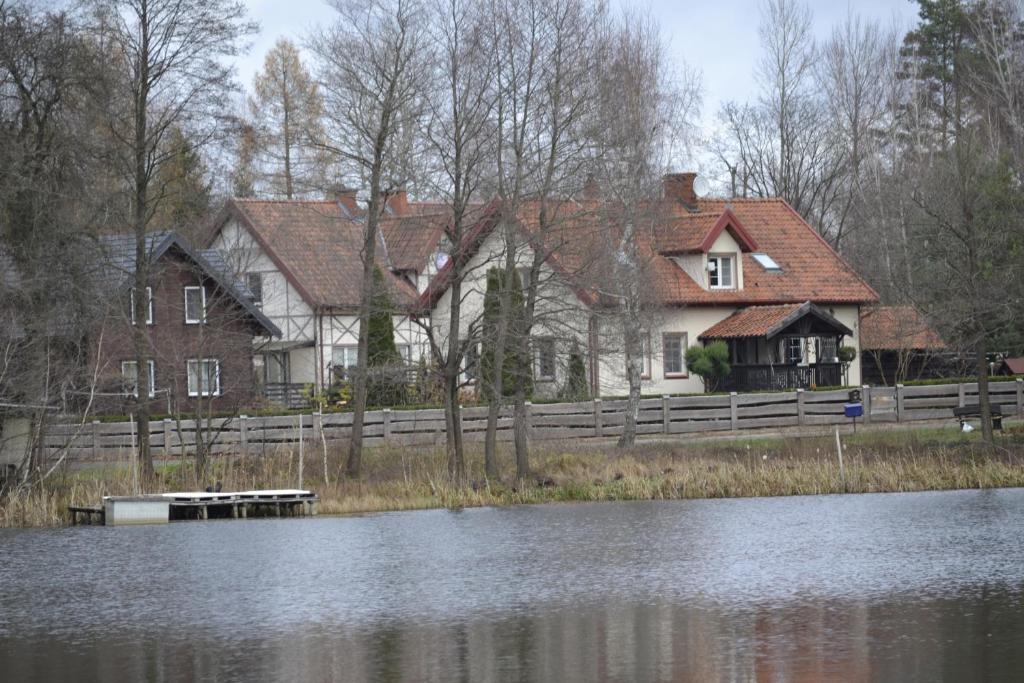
(768, 263)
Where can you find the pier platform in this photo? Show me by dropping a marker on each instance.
(197, 505)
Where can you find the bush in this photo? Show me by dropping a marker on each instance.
(710, 363)
(576, 388)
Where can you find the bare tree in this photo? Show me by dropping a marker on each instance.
(372, 71)
(641, 109)
(286, 111)
(168, 73)
(458, 135)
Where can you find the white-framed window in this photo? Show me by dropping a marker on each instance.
(794, 350)
(195, 305)
(254, 283)
(645, 356)
(130, 377)
(149, 305)
(544, 359)
(203, 377)
(405, 352)
(524, 279)
(344, 357)
(673, 353)
(721, 271)
(471, 363)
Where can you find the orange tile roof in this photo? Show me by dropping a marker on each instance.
(316, 245)
(897, 327)
(755, 321)
(413, 238)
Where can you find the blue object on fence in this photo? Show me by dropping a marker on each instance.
(854, 410)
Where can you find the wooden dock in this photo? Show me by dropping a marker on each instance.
(196, 505)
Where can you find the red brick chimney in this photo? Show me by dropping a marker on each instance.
(679, 186)
(591, 190)
(346, 196)
(399, 202)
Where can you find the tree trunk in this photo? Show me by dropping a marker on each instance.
(633, 373)
(521, 436)
(453, 411)
(355, 451)
(140, 337)
(983, 398)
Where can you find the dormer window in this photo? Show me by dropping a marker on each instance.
(722, 271)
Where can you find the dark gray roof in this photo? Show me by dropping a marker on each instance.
(118, 255)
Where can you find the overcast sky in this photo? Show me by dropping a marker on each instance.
(717, 37)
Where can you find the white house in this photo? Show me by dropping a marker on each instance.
(300, 258)
(750, 272)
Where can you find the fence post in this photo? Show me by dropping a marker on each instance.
(1020, 396)
(387, 423)
(95, 439)
(243, 433)
(318, 425)
(961, 393)
(865, 398)
(664, 413)
(899, 403)
(799, 406)
(734, 412)
(598, 418)
(167, 437)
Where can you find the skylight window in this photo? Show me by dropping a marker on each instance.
(767, 262)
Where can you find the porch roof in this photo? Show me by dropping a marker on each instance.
(804, 319)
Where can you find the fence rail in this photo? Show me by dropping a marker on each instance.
(588, 419)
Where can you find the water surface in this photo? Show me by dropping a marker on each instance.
(894, 587)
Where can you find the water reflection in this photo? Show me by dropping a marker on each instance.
(896, 587)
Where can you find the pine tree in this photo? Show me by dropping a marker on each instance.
(516, 369)
(286, 110)
(386, 376)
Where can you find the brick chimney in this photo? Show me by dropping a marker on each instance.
(591, 190)
(679, 186)
(346, 196)
(399, 202)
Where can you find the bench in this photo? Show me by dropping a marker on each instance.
(963, 413)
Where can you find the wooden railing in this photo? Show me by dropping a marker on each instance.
(584, 420)
(782, 377)
(291, 396)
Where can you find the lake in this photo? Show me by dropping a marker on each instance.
(891, 587)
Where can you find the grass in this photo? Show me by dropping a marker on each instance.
(406, 479)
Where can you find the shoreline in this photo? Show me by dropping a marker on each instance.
(774, 465)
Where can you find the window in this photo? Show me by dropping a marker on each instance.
(827, 350)
(195, 305)
(149, 305)
(254, 283)
(204, 377)
(645, 356)
(524, 280)
(471, 363)
(673, 349)
(794, 350)
(767, 262)
(405, 352)
(720, 272)
(344, 358)
(544, 358)
(130, 377)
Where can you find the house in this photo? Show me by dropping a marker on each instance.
(749, 272)
(301, 259)
(898, 344)
(201, 323)
(1009, 366)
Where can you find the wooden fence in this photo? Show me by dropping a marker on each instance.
(589, 419)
